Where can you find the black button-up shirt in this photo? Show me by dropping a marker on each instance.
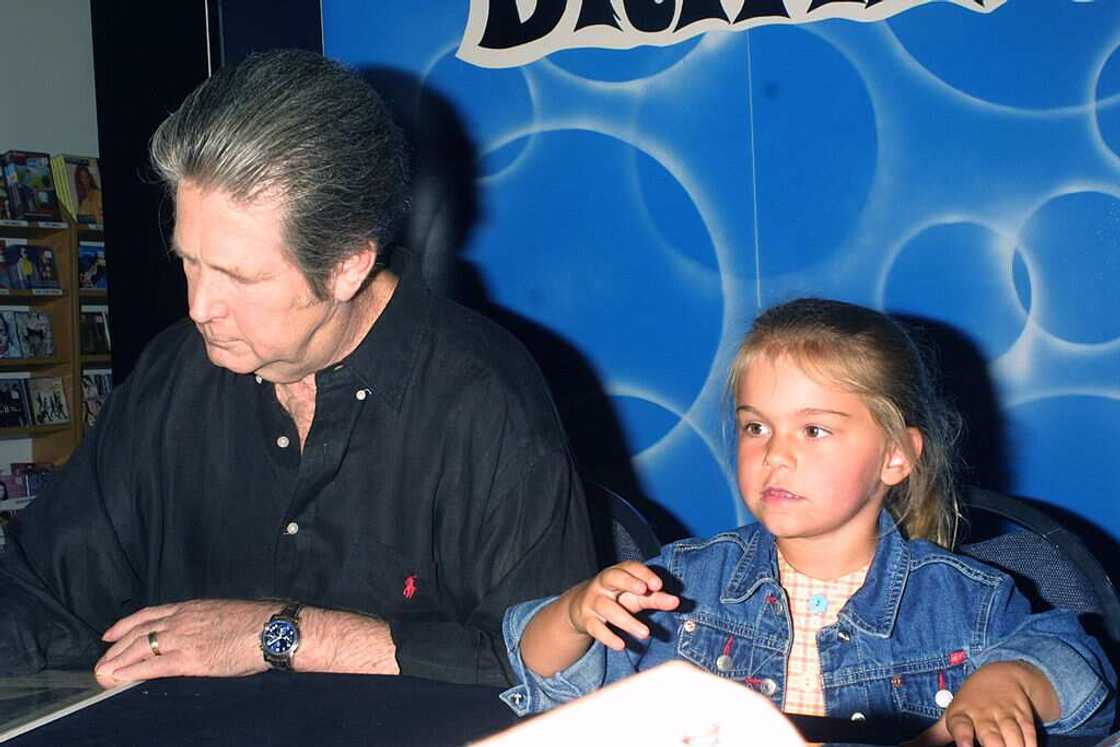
(434, 490)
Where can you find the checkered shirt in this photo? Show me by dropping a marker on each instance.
(813, 604)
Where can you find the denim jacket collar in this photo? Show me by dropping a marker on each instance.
(873, 609)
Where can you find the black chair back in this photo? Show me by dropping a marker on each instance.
(1051, 565)
(622, 532)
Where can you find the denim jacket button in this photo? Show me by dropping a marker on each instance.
(857, 716)
(723, 663)
(943, 698)
(689, 626)
(843, 636)
(517, 698)
(768, 687)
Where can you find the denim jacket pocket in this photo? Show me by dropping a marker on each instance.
(729, 649)
(926, 687)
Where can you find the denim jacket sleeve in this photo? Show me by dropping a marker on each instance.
(533, 693)
(1055, 642)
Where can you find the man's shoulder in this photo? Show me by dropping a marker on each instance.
(176, 346)
(478, 345)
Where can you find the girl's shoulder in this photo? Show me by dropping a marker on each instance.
(926, 556)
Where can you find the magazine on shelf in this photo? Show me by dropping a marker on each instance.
(92, 268)
(36, 339)
(96, 385)
(9, 247)
(30, 187)
(83, 189)
(9, 335)
(47, 400)
(31, 267)
(33, 474)
(93, 329)
(14, 412)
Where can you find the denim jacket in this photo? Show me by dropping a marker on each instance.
(924, 620)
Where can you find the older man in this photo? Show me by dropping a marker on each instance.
(326, 469)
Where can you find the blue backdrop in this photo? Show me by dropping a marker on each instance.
(635, 209)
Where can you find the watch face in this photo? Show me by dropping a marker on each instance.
(280, 637)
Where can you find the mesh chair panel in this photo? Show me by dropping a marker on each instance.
(1041, 571)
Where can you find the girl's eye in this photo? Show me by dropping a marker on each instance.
(815, 432)
(754, 428)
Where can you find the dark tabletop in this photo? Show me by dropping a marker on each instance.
(317, 710)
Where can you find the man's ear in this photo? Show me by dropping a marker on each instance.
(899, 463)
(350, 274)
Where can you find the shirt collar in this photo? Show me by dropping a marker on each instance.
(384, 359)
(873, 609)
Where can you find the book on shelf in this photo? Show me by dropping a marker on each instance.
(5, 210)
(14, 412)
(30, 186)
(93, 329)
(92, 267)
(96, 385)
(79, 187)
(47, 401)
(36, 339)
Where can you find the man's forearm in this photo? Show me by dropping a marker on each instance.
(344, 643)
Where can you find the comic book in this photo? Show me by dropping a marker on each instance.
(36, 339)
(92, 267)
(27, 177)
(47, 401)
(14, 412)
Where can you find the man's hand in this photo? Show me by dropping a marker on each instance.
(200, 638)
(996, 707)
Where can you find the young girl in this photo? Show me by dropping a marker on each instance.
(841, 600)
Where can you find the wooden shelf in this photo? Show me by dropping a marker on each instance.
(55, 443)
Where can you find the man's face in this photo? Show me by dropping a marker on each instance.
(252, 305)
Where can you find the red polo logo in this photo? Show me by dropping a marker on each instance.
(409, 587)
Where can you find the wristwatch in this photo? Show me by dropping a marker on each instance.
(280, 637)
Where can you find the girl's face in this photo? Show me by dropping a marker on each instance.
(812, 462)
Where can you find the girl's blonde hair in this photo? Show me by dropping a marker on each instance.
(869, 354)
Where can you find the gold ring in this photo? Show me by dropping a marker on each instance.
(153, 643)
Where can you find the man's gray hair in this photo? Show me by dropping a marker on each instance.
(295, 126)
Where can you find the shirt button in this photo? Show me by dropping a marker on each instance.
(689, 626)
(723, 663)
(768, 687)
(943, 698)
(361, 394)
(857, 716)
(292, 528)
(283, 442)
(259, 379)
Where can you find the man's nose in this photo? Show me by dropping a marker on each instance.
(204, 298)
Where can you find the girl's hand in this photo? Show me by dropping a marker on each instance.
(561, 633)
(996, 707)
(613, 597)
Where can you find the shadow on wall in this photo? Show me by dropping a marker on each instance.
(444, 212)
(968, 386)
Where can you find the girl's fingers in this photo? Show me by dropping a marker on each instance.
(599, 630)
